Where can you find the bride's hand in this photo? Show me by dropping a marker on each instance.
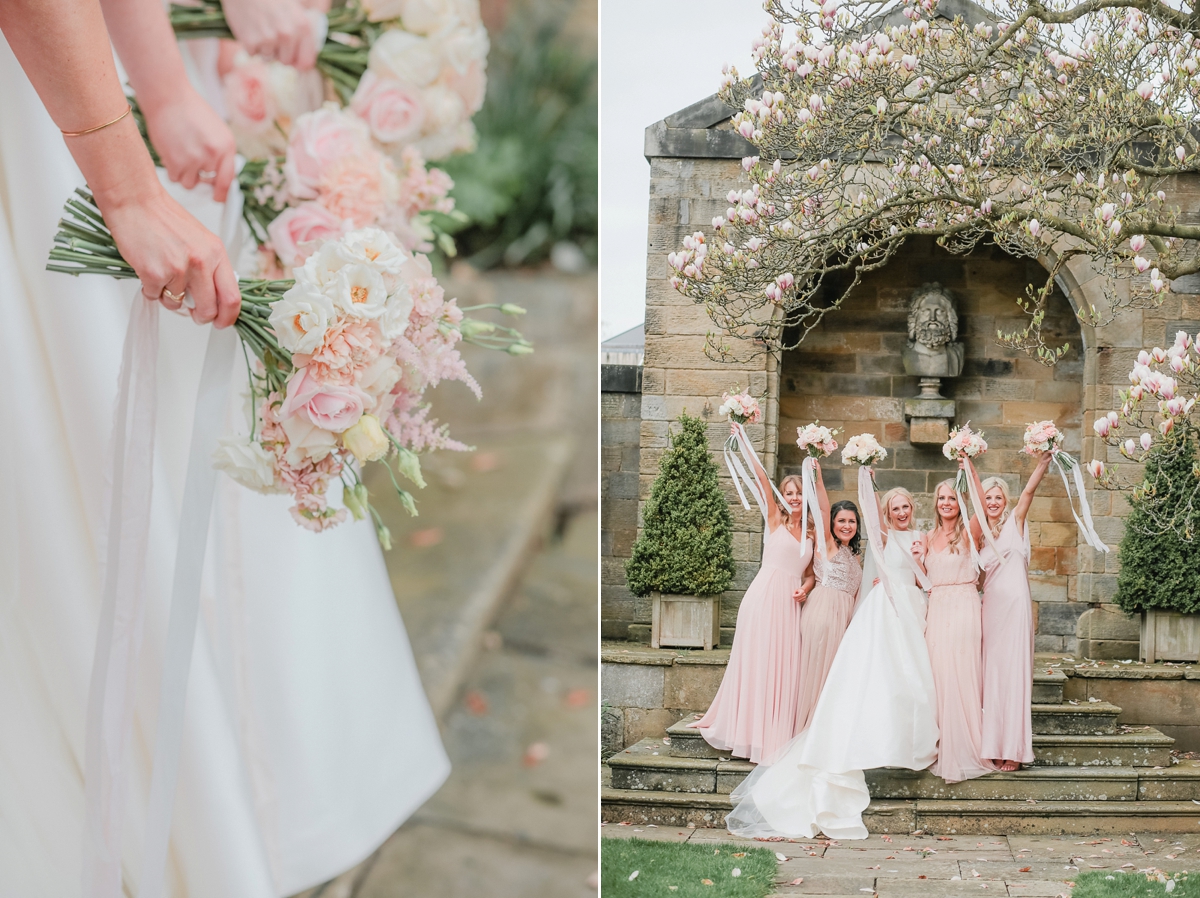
(279, 30)
(918, 548)
(193, 142)
(171, 250)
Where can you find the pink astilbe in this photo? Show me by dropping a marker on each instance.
(428, 350)
(414, 429)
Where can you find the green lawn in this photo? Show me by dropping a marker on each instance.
(1135, 885)
(685, 871)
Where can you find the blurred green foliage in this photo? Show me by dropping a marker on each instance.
(532, 182)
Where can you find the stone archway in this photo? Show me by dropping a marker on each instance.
(848, 374)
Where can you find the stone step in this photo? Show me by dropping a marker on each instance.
(943, 817)
(648, 766)
(1048, 686)
(1083, 719)
(1141, 747)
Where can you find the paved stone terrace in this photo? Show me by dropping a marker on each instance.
(905, 866)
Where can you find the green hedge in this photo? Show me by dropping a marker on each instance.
(1160, 551)
(686, 545)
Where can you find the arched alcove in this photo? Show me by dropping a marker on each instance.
(848, 374)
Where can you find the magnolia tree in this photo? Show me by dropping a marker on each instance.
(1157, 425)
(1046, 126)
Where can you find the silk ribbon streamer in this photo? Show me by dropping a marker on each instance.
(1086, 527)
(981, 513)
(118, 639)
(870, 514)
(808, 482)
(739, 442)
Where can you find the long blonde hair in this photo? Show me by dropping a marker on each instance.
(994, 483)
(886, 502)
(791, 478)
(960, 528)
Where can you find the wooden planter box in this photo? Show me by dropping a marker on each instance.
(685, 621)
(1170, 636)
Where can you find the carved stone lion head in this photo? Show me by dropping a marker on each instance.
(932, 321)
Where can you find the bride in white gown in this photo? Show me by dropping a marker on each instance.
(875, 710)
(308, 738)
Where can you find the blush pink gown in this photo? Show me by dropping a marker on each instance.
(826, 616)
(754, 713)
(954, 635)
(1007, 647)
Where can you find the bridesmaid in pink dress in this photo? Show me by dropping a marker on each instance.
(754, 712)
(953, 633)
(828, 609)
(1007, 621)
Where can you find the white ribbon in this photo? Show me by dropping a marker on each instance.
(981, 514)
(739, 442)
(808, 483)
(118, 639)
(870, 515)
(1086, 527)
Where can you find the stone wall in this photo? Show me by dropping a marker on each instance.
(620, 427)
(694, 162)
(848, 374)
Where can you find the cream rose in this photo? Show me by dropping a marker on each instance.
(306, 441)
(409, 58)
(378, 380)
(428, 16)
(394, 112)
(366, 439)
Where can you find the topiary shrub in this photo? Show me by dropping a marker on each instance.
(686, 546)
(1160, 556)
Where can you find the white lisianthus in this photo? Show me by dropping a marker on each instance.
(394, 320)
(374, 247)
(248, 463)
(428, 16)
(301, 318)
(322, 267)
(410, 58)
(359, 291)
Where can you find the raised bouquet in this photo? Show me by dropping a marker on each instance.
(963, 443)
(740, 407)
(1044, 436)
(339, 360)
(818, 441)
(413, 70)
(863, 449)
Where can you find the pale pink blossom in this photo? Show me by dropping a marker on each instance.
(297, 230)
(332, 407)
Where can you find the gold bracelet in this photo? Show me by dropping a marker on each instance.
(128, 109)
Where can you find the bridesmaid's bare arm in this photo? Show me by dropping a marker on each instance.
(1026, 499)
(823, 503)
(187, 133)
(774, 515)
(63, 46)
(807, 584)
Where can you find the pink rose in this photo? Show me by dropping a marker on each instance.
(295, 229)
(330, 407)
(353, 189)
(248, 96)
(394, 113)
(319, 139)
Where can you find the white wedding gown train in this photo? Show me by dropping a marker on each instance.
(308, 738)
(876, 710)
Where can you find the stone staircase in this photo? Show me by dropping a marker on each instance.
(1089, 775)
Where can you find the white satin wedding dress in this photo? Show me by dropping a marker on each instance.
(876, 710)
(308, 738)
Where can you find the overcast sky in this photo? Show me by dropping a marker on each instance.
(656, 57)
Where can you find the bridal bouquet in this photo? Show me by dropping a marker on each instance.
(964, 443)
(740, 407)
(863, 449)
(413, 70)
(333, 179)
(816, 440)
(1044, 436)
(343, 356)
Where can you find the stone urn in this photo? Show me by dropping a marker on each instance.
(692, 622)
(1169, 636)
